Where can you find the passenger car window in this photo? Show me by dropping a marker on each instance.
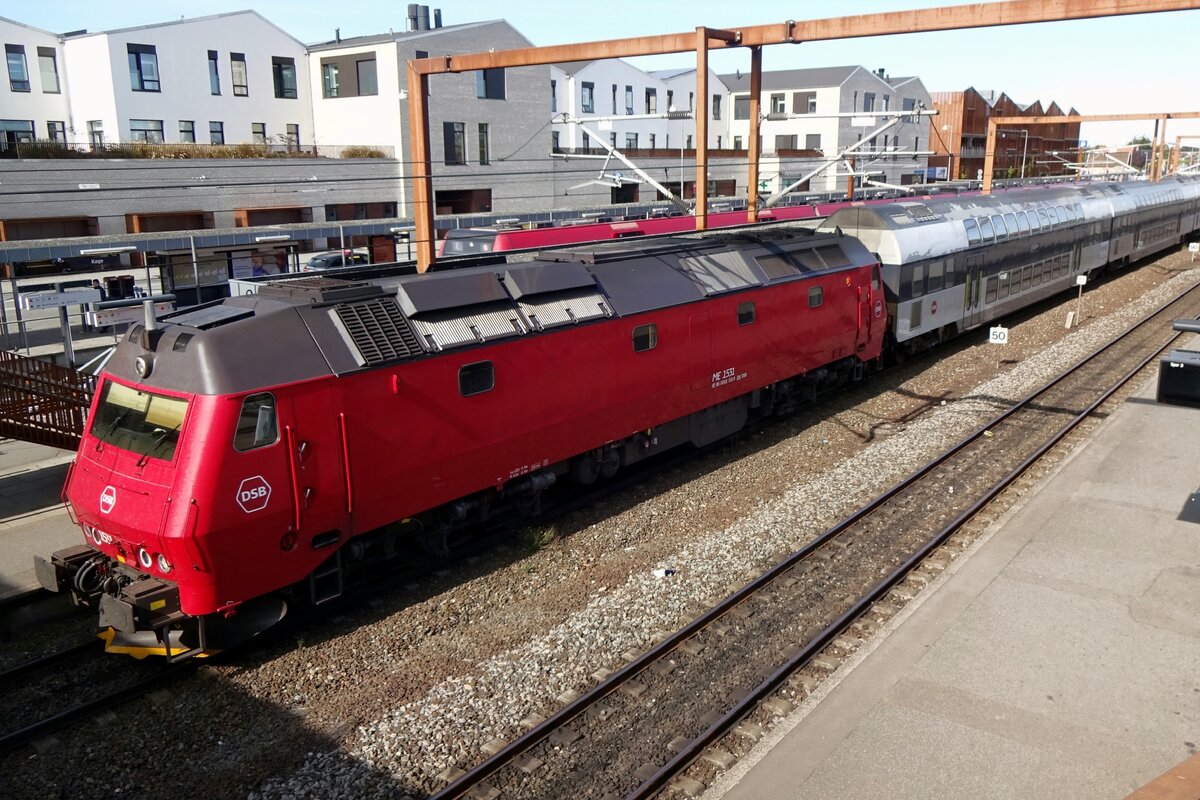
(933, 280)
(257, 425)
(476, 378)
(972, 231)
(645, 337)
(985, 227)
(1050, 212)
(1022, 223)
(998, 224)
(1010, 222)
(1043, 218)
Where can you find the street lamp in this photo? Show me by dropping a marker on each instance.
(1024, 146)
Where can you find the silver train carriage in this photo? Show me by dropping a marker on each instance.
(950, 265)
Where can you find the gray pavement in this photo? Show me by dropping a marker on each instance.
(1060, 659)
(32, 517)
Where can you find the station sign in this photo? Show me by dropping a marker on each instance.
(125, 315)
(72, 297)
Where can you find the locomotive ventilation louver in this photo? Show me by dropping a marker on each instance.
(377, 329)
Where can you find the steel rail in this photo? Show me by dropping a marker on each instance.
(491, 765)
(35, 664)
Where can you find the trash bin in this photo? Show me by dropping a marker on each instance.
(127, 284)
(112, 285)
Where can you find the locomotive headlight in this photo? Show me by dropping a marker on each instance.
(144, 558)
(163, 564)
(142, 365)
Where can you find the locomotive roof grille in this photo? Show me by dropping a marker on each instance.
(564, 308)
(376, 331)
(457, 327)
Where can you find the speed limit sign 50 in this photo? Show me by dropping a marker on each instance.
(998, 335)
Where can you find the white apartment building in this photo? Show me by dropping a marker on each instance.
(33, 98)
(798, 108)
(222, 79)
(587, 90)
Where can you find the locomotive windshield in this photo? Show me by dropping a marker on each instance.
(138, 421)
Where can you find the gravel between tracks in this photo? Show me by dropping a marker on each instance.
(423, 679)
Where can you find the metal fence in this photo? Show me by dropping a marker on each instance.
(43, 403)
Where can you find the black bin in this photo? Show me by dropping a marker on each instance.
(119, 287)
(1179, 378)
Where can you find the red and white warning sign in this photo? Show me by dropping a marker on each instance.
(253, 494)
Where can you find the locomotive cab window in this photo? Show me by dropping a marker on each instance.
(138, 421)
(645, 337)
(745, 313)
(257, 425)
(815, 297)
(476, 378)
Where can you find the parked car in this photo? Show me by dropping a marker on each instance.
(335, 259)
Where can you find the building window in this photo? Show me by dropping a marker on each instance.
(716, 109)
(554, 95)
(737, 143)
(283, 71)
(96, 132)
(57, 131)
(804, 102)
(143, 68)
(554, 146)
(368, 81)
(651, 144)
(237, 65)
(651, 101)
(329, 80)
(868, 101)
(421, 54)
(745, 313)
(187, 131)
(293, 136)
(631, 141)
(216, 133)
(612, 139)
(484, 148)
(18, 73)
(454, 138)
(886, 102)
(258, 132)
(48, 65)
(476, 378)
(489, 84)
(645, 337)
(214, 75)
(146, 130)
(812, 141)
(741, 107)
(718, 142)
(614, 98)
(587, 97)
(628, 99)
(587, 144)
(688, 144)
(778, 104)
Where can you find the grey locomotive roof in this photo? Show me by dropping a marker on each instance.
(311, 327)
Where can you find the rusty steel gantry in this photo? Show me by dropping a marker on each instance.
(703, 39)
(1160, 135)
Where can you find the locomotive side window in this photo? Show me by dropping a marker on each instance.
(257, 425)
(645, 337)
(815, 297)
(476, 378)
(745, 312)
(972, 231)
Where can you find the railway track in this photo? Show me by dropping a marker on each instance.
(641, 726)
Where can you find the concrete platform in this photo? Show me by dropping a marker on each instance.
(1060, 659)
(32, 518)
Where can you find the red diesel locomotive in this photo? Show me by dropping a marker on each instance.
(251, 451)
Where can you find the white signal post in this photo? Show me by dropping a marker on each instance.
(998, 335)
(1080, 281)
(1193, 248)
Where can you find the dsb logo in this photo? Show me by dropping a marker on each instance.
(253, 494)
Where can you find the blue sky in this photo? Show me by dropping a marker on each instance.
(1134, 64)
